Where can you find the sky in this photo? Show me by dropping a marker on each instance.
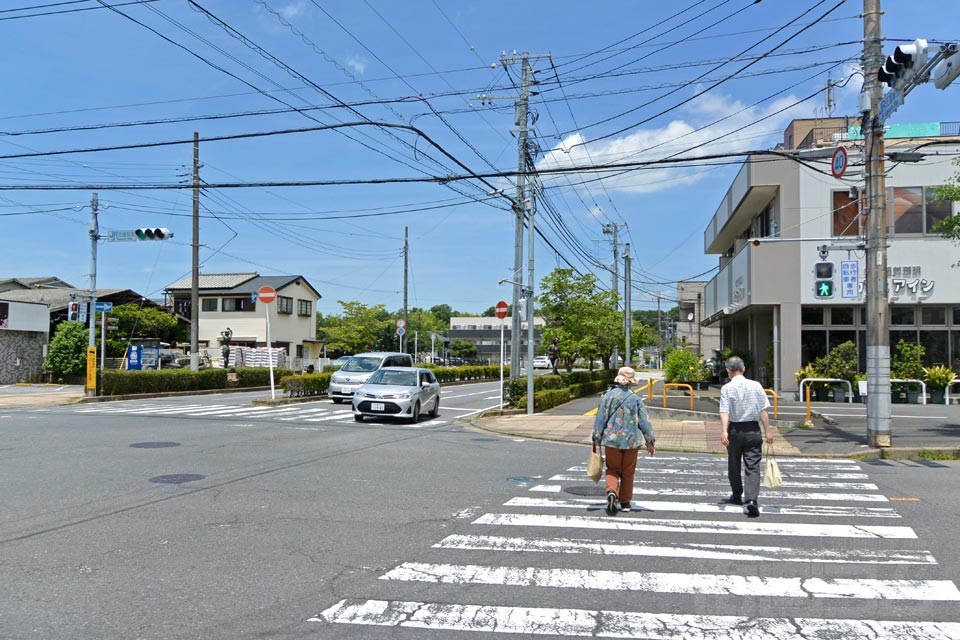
(614, 82)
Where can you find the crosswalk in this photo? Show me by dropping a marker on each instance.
(541, 564)
(306, 413)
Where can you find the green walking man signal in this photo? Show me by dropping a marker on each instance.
(823, 280)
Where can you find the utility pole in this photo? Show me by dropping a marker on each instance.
(878, 317)
(519, 206)
(612, 229)
(91, 390)
(659, 335)
(627, 313)
(195, 267)
(406, 272)
(529, 291)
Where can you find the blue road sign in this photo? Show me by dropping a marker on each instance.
(849, 278)
(105, 307)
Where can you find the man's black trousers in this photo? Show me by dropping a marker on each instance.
(746, 445)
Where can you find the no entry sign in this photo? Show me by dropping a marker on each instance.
(266, 295)
(501, 309)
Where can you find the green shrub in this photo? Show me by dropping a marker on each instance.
(259, 376)
(308, 384)
(682, 366)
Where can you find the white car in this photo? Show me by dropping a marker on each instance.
(542, 362)
(398, 392)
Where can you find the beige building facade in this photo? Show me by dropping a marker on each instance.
(765, 296)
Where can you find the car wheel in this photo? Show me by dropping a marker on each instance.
(415, 417)
(436, 408)
(358, 417)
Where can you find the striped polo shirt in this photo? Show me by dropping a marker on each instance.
(743, 399)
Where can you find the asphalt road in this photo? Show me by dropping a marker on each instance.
(325, 528)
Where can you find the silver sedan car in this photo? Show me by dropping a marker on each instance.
(398, 392)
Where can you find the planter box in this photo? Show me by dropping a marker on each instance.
(839, 395)
(937, 396)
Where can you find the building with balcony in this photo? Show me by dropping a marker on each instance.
(484, 333)
(764, 297)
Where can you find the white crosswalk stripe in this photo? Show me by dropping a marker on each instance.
(672, 523)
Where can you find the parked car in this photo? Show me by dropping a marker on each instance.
(398, 392)
(542, 362)
(358, 369)
(342, 360)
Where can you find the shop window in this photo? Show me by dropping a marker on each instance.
(955, 350)
(935, 210)
(902, 316)
(933, 315)
(935, 343)
(956, 316)
(907, 335)
(208, 304)
(839, 337)
(814, 345)
(846, 214)
(906, 207)
(841, 316)
(811, 315)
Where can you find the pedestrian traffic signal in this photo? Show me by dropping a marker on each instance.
(823, 280)
(153, 233)
(899, 69)
(77, 312)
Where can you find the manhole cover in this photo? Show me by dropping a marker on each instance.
(177, 478)
(521, 479)
(154, 445)
(586, 490)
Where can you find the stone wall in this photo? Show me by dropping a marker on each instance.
(21, 356)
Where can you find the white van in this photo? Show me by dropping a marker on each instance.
(357, 370)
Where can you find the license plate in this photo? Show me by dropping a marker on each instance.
(376, 406)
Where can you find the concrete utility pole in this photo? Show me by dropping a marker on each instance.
(878, 318)
(195, 268)
(406, 272)
(659, 335)
(91, 312)
(519, 206)
(529, 291)
(627, 313)
(612, 229)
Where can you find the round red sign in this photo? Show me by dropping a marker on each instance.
(266, 295)
(838, 164)
(501, 309)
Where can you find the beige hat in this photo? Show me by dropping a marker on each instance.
(626, 376)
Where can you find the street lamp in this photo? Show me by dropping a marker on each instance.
(526, 300)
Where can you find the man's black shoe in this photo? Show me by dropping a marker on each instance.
(611, 503)
(753, 511)
(624, 506)
(732, 500)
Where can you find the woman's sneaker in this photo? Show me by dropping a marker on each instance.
(624, 506)
(611, 503)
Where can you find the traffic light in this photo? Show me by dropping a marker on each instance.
(823, 280)
(946, 72)
(899, 69)
(77, 312)
(153, 233)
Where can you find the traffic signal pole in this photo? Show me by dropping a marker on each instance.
(195, 269)
(91, 389)
(878, 319)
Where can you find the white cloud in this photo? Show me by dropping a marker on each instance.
(356, 63)
(742, 128)
(293, 9)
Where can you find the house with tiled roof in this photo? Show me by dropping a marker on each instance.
(227, 301)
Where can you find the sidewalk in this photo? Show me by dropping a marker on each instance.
(678, 429)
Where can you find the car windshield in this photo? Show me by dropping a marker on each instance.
(395, 378)
(361, 364)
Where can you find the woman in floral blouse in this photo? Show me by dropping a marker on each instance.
(621, 417)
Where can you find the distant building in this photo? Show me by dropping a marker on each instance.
(764, 297)
(24, 333)
(226, 302)
(690, 333)
(484, 333)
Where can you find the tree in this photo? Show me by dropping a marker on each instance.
(361, 328)
(949, 227)
(67, 354)
(580, 316)
(443, 313)
(463, 349)
(147, 322)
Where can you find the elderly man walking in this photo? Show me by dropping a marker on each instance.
(743, 408)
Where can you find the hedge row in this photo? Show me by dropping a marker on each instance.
(119, 383)
(469, 372)
(516, 389)
(309, 384)
(550, 395)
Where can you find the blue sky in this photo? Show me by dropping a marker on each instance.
(422, 63)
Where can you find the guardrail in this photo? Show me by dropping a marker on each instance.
(677, 384)
(805, 380)
(946, 394)
(923, 387)
(651, 382)
(775, 401)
